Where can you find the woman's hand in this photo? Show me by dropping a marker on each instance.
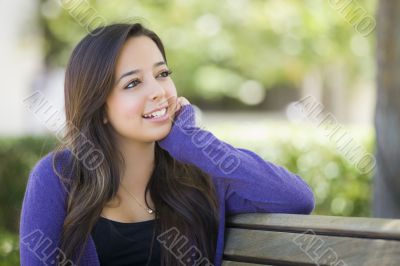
(183, 115)
(178, 103)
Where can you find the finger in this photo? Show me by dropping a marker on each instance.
(172, 104)
(176, 106)
(184, 101)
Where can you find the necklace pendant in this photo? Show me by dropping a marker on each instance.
(150, 211)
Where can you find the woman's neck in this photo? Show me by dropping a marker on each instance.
(139, 164)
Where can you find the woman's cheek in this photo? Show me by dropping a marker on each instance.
(134, 110)
(171, 89)
(130, 106)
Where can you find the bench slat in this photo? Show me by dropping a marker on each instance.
(328, 225)
(235, 263)
(280, 248)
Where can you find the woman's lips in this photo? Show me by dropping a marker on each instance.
(162, 118)
(157, 109)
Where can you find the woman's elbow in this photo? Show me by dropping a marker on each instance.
(306, 202)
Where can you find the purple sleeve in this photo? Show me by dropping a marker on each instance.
(42, 216)
(252, 184)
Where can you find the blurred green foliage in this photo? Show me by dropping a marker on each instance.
(17, 157)
(9, 250)
(216, 47)
(339, 187)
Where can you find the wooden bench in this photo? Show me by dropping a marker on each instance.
(288, 239)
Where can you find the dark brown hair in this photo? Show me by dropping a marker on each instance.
(183, 195)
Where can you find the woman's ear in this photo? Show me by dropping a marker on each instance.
(105, 120)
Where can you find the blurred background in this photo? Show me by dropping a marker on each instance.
(256, 69)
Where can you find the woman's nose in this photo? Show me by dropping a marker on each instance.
(157, 91)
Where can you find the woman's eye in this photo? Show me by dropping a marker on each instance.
(165, 74)
(132, 84)
(135, 82)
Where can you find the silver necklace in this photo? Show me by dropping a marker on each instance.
(150, 211)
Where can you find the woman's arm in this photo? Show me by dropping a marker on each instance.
(42, 216)
(252, 184)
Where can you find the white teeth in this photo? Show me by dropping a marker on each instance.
(157, 113)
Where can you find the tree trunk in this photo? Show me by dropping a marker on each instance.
(387, 112)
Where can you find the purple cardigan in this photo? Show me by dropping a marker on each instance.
(244, 183)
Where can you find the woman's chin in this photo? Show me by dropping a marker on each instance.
(159, 133)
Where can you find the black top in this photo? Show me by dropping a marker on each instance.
(123, 244)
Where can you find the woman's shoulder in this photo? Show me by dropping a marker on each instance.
(43, 208)
(53, 161)
(49, 169)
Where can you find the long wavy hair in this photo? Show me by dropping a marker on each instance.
(183, 195)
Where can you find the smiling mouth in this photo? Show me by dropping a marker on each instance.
(156, 114)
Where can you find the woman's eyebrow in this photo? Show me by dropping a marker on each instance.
(138, 70)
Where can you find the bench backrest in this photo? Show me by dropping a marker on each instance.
(288, 239)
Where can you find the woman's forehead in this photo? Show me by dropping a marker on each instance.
(138, 53)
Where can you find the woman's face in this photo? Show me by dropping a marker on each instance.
(142, 84)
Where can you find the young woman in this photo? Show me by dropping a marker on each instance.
(136, 181)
